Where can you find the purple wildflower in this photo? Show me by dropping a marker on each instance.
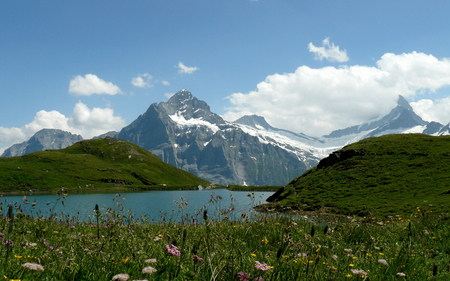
(7, 242)
(243, 276)
(259, 278)
(173, 250)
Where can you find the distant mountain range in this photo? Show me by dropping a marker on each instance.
(42, 140)
(186, 134)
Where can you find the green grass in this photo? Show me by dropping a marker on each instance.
(295, 248)
(382, 176)
(105, 164)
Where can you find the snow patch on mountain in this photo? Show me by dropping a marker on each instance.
(291, 145)
(193, 122)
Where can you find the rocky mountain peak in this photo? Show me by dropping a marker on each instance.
(254, 121)
(403, 103)
(42, 140)
(180, 97)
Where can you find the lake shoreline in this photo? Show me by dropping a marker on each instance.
(123, 190)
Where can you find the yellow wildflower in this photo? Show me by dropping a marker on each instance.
(125, 261)
(265, 240)
(253, 255)
(17, 257)
(55, 232)
(351, 265)
(160, 236)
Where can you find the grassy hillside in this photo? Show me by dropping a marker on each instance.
(387, 175)
(102, 163)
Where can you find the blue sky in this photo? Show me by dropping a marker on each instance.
(308, 66)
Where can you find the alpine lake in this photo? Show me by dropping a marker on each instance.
(152, 206)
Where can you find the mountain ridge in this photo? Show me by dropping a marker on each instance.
(186, 134)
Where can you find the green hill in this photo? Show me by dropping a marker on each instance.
(101, 163)
(392, 174)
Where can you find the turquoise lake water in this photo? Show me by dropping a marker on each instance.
(156, 206)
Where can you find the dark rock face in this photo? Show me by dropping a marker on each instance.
(186, 134)
(42, 140)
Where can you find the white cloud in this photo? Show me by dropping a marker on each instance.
(429, 110)
(317, 101)
(142, 81)
(186, 69)
(90, 84)
(329, 52)
(165, 83)
(83, 121)
(169, 95)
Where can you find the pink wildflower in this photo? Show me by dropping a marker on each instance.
(359, 272)
(197, 258)
(121, 277)
(2, 234)
(259, 279)
(262, 267)
(382, 261)
(150, 261)
(173, 250)
(401, 274)
(243, 276)
(148, 270)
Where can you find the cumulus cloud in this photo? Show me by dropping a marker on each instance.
(433, 110)
(328, 51)
(83, 121)
(186, 69)
(317, 101)
(165, 83)
(142, 81)
(90, 84)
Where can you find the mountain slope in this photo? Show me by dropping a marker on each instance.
(400, 119)
(42, 140)
(105, 163)
(381, 175)
(185, 133)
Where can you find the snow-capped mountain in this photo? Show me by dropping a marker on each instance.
(400, 120)
(185, 133)
(42, 140)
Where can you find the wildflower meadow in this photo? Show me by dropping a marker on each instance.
(229, 245)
